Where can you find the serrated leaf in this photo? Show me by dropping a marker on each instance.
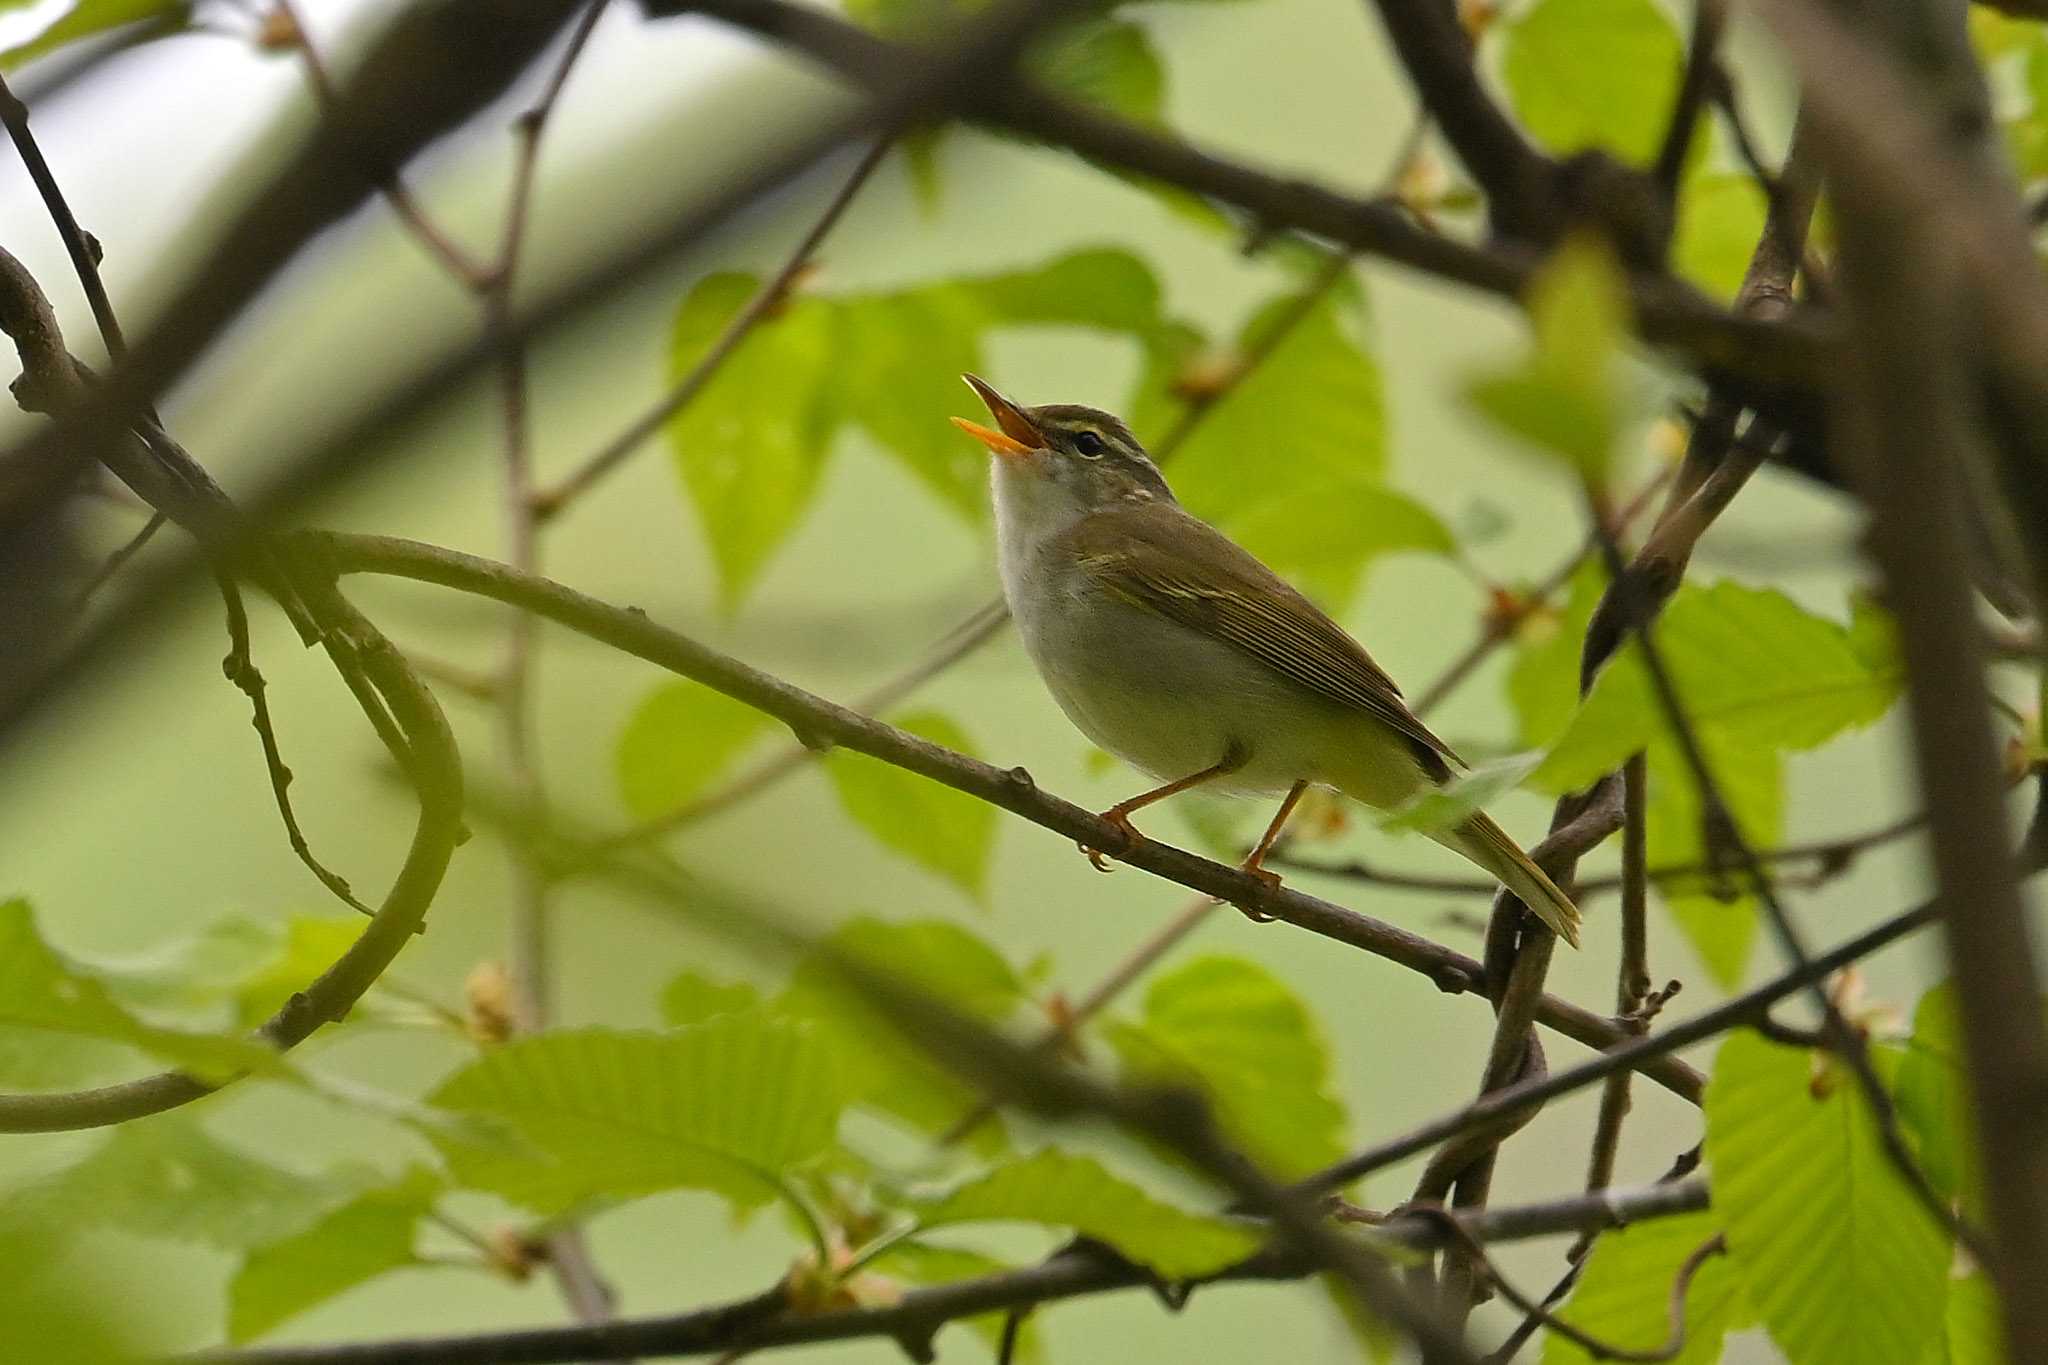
(691, 998)
(352, 1245)
(680, 738)
(90, 18)
(1753, 670)
(167, 1177)
(728, 1105)
(1838, 1258)
(39, 990)
(1624, 1296)
(945, 831)
(1058, 1189)
(1232, 1030)
(1446, 807)
(1593, 73)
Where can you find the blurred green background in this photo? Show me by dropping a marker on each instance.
(136, 809)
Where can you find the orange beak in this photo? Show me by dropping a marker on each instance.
(1019, 435)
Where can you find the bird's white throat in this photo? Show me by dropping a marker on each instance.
(1032, 506)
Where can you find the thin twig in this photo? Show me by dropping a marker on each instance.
(1012, 789)
(1695, 86)
(529, 955)
(79, 244)
(1498, 1105)
(762, 1321)
(766, 299)
(1830, 857)
(115, 561)
(1843, 1039)
(989, 619)
(442, 247)
(1596, 1347)
(1632, 978)
(240, 668)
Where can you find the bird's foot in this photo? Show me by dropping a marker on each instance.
(1266, 878)
(1117, 816)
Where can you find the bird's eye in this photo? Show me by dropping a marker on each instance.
(1089, 446)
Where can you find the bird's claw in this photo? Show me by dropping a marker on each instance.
(1098, 859)
(1266, 878)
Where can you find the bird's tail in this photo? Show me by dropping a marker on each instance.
(1490, 846)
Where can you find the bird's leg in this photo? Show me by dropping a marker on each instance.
(1256, 862)
(1120, 814)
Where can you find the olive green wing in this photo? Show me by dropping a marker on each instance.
(1157, 556)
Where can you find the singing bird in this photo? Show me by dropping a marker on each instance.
(1179, 652)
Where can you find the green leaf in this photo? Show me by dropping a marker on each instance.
(692, 998)
(1562, 398)
(2026, 136)
(927, 1263)
(41, 991)
(1718, 917)
(1108, 63)
(1232, 1030)
(310, 945)
(352, 1245)
(1934, 1097)
(89, 18)
(1058, 1189)
(1445, 808)
(66, 1305)
(937, 955)
(945, 831)
(891, 1072)
(1838, 1258)
(1624, 1296)
(728, 1105)
(902, 354)
(1543, 681)
(1753, 670)
(167, 1177)
(1973, 1330)
(1600, 73)
(1290, 461)
(750, 447)
(1720, 218)
(680, 738)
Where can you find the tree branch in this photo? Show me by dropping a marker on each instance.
(822, 722)
(761, 1322)
(1907, 420)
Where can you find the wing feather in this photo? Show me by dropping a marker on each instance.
(1141, 553)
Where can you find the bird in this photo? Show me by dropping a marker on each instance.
(1175, 649)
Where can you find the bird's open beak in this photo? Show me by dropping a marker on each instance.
(1019, 435)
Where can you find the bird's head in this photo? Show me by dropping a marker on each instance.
(1064, 453)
